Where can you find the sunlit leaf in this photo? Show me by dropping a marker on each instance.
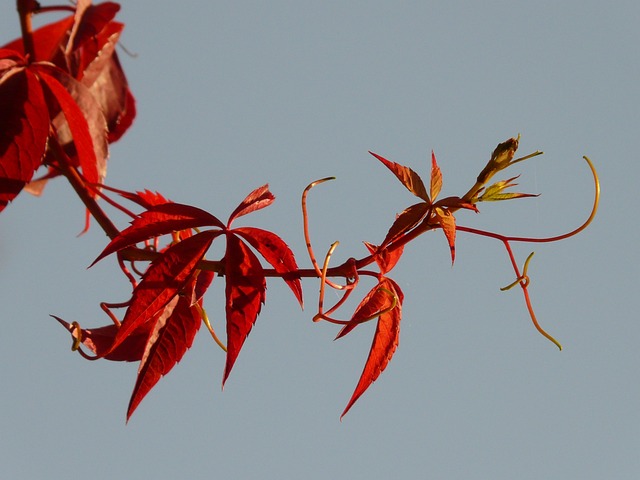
(410, 179)
(244, 292)
(260, 198)
(385, 342)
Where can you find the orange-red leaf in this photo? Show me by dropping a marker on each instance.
(436, 178)
(448, 223)
(160, 220)
(245, 293)
(277, 253)
(172, 335)
(385, 342)
(260, 198)
(165, 278)
(410, 179)
(24, 127)
(406, 221)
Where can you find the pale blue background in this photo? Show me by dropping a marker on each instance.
(232, 95)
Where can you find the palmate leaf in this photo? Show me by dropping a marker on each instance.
(24, 126)
(158, 220)
(385, 338)
(245, 293)
(165, 278)
(410, 179)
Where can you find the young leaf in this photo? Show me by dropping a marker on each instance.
(277, 253)
(410, 179)
(495, 193)
(260, 198)
(159, 220)
(245, 293)
(165, 278)
(171, 337)
(385, 342)
(24, 129)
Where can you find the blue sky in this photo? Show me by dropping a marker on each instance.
(232, 95)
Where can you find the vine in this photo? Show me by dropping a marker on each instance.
(65, 99)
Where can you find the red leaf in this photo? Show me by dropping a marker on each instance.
(277, 253)
(171, 337)
(84, 118)
(385, 259)
(245, 293)
(165, 278)
(99, 341)
(406, 221)
(260, 198)
(385, 342)
(47, 39)
(410, 179)
(159, 220)
(24, 128)
(436, 178)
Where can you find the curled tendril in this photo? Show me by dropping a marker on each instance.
(77, 338)
(522, 279)
(348, 288)
(307, 237)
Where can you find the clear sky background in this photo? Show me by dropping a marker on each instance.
(232, 95)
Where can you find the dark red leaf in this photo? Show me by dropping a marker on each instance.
(260, 198)
(84, 119)
(160, 220)
(24, 129)
(410, 179)
(171, 337)
(277, 253)
(245, 293)
(385, 342)
(165, 278)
